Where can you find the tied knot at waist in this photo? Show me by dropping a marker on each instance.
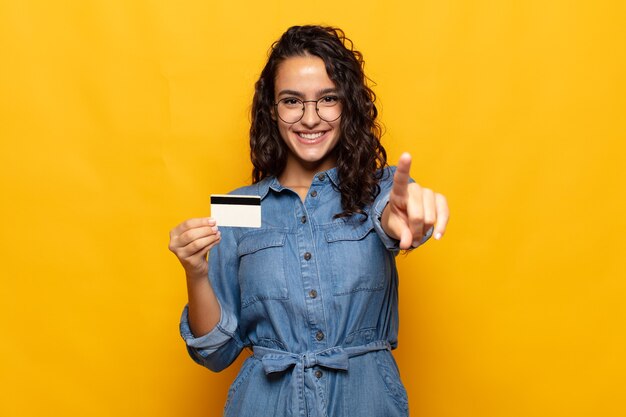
(336, 357)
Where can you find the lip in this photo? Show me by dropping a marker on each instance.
(315, 141)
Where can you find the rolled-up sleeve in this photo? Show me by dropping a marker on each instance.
(221, 346)
(210, 342)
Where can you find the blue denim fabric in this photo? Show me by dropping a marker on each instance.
(315, 298)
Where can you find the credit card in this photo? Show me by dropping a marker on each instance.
(236, 210)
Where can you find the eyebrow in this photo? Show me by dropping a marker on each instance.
(300, 95)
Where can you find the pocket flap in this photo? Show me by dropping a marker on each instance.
(349, 231)
(253, 242)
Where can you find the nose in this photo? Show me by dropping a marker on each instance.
(310, 117)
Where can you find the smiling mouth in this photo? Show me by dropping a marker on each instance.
(311, 136)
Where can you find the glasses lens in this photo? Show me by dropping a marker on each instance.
(329, 108)
(290, 110)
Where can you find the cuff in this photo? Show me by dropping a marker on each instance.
(216, 338)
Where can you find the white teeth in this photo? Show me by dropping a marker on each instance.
(310, 135)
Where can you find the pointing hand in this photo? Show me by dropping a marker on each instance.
(412, 209)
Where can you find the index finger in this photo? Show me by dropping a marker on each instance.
(193, 223)
(402, 175)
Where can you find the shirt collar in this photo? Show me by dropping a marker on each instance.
(333, 175)
(272, 182)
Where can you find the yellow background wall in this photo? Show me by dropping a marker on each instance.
(119, 118)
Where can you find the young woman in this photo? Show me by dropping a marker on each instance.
(313, 293)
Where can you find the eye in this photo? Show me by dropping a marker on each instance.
(291, 102)
(329, 100)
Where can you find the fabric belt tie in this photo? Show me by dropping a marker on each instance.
(337, 357)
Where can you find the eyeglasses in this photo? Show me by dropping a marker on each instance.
(291, 110)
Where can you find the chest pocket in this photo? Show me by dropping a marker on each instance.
(359, 260)
(262, 267)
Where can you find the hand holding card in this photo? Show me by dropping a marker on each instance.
(236, 210)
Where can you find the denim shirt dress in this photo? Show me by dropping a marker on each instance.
(316, 301)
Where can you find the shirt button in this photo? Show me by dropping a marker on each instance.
(318, 374)
(314, 193)
(313, 294)
(321, 177)
(303, 219)
(319, 335)
(307, 256)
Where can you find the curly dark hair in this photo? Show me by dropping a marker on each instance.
(359, 151)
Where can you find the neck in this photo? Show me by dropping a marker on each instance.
(299, 173)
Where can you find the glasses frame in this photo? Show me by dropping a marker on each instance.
(317, 109)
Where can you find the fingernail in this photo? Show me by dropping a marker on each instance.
(214, 228)
(438, 236)
(211, 222)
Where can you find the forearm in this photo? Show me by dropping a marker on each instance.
(204, 309)
(208, 324)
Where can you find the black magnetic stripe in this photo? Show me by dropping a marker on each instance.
(240, 201)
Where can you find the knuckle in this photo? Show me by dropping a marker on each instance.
(187, 236)
(195, 246)
(417, 221)
(174, 245)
